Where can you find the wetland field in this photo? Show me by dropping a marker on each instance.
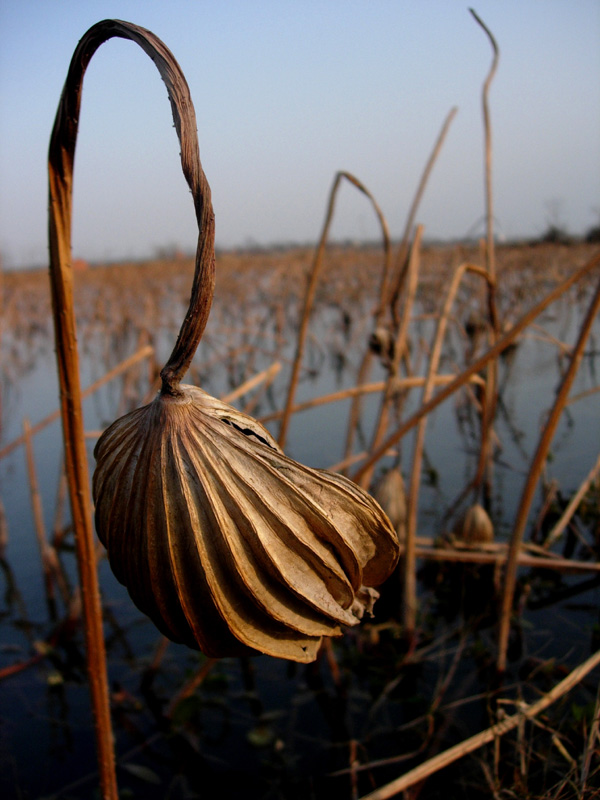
(500, 477)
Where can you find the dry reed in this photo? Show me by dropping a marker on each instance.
(529, 488)
(391, 289)
(572, 505)
(144, 352)
(3, 530)
(312, 285)
(491, 734)
(490, 395)
(399, 349)
(505, 341)
(38, 519)
(399, 385)
(409, 567)
(401, 266)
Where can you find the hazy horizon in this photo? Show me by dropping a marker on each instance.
(288, 94)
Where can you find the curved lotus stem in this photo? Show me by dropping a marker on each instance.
(61, 156)
(60, 169)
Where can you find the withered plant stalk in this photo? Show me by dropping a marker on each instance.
(38, 519)
(129, 362)
(365, 388)
(266, 376)
(400, 346)
(571, 508)
(401, 265)
(428, 550)
(533, 475)
(60, 167)
(312, 285)
(487, 125)
(491, 394)
(491, 734)
(505, 341)
(390, 288)
(409, 560)
(3, 531)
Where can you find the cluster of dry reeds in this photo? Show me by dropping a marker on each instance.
(251, 358)
(375, 299)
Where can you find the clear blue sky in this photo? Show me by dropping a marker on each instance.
(286, 94)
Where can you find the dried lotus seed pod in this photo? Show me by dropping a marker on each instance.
(225, 542)
(475, 526)
(390, 493)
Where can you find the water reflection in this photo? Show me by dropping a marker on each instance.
(264, 725)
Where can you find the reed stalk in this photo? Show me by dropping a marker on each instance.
(582, 395)
(403, 247)
(59, 507)
(409, 560)
(491, 734)
(60, 169)
(3, 531)
(400, 346)
(427, 550)
(311, 286)
(490, 252)
(188, 689)
(491, 393)
(505, 341)
(572, 505)
(591, 745)
(266, 377)
(356, 406)
(38, 520)
(400, 384)
(389, 293)
(529, 489)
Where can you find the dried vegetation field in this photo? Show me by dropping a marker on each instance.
(401, 693)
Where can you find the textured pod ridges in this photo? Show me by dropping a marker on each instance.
(225, 542)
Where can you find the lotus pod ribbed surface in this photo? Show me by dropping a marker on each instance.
(225, 542)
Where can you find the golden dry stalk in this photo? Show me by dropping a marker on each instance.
(225, 542)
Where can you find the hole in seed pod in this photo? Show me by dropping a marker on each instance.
(246, 431)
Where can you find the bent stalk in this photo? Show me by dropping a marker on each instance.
(60, 169)
(532, 479)
(312, 285)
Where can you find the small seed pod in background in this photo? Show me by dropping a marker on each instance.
(474, 526)
(381, 342)
(390, 493)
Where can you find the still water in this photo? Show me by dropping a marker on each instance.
(46, 735)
